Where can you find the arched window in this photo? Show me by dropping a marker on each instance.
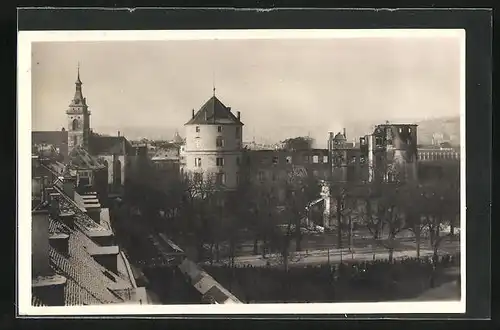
(75, 140)
(74, 126)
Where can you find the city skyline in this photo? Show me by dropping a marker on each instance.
(343, 80)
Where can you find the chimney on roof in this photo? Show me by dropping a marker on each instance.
(54, 204)
(40, 243)
(69, 186)
(106, 256)
(46, 193)
(36, 191)
(60, 242)
(50, 289)
(192, 114)
(238, 114)
(93, 208)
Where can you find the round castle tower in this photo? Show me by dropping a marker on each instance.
(214, 144)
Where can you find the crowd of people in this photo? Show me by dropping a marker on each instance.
(349, 281)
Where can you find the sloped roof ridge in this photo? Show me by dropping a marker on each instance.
(70, 277)
(213, 111)
(81, 218)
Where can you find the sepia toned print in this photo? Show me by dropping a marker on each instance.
(247, 171)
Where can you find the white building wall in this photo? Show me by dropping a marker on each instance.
(203, 145)
(205, 139)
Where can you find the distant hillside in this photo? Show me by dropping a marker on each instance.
(449, 126)
(446, 126)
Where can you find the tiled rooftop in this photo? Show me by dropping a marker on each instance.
(87, 281)
(205, 284)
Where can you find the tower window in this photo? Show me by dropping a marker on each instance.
(75, 124)
(75, 140)
(220, 178)
(261, 176)
(325, 159)
(197, 129)
(197, 162)
(219, 129)
(315, 159)
(219, 142)
(219, 161)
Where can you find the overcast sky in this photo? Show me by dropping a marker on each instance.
(301, 85)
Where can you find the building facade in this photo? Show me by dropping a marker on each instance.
(391, 152)
(114, 152)
(78, 116)
(213, 146)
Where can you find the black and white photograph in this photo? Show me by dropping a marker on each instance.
(269, 171)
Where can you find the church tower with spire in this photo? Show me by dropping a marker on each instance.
(78, 118)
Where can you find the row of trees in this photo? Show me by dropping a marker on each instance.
(201, 214)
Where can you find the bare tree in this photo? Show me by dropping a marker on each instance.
(440, 207)
(197, 210)
(300, 189)
(391, 211)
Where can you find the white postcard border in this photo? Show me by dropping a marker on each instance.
(25, 38)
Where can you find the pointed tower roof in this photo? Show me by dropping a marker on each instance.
(78, 81)
(214, 112)
(78, 100)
